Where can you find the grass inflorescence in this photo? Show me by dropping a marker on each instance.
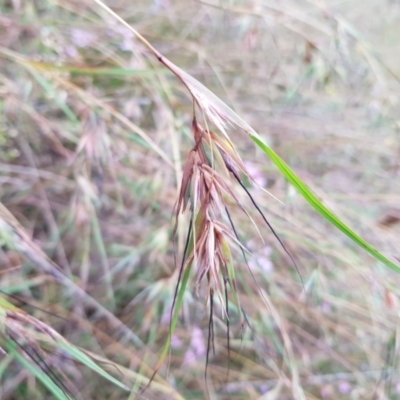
(103, 137)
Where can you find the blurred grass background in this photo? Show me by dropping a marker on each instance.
(93, 135)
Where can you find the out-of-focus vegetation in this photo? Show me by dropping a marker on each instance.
(94, 134)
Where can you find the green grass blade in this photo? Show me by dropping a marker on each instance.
(4, 364)
(317, 205)
(35, 370)
(98, 238)
(53, 93)
(6, 305)
(88, 362)
(174, 321)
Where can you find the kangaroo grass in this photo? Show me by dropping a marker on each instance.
(206, 235)
(208, 241)
(221, 114)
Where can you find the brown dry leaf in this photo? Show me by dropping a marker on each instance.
(390, 218)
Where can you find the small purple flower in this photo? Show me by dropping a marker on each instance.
(327, 392)
(71, 52)
(326, 307)
(265, 264)
(197, 347)
(264, 388)
(82, 38)
(344, 387)
(190, 358)
(197, 342)
(176, 343)
(256, 174)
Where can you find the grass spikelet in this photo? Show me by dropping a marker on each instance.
(208, 241)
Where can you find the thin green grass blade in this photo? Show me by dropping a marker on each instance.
(174, 321)
(52, 92)
(88, 362)
(231, 274)
(6, 305)
(35, 370)
(317, 205)
(4, 363)
(98, 238)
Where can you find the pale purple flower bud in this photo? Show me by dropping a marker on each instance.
(344, 387)
(176, 343)
(327, 392)
(256, 174)
(197, 347)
